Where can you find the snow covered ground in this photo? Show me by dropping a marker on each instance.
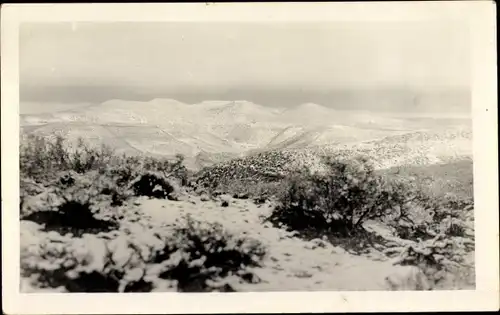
(293, 263)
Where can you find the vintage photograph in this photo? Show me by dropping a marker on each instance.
(230, 157)
(246, 156)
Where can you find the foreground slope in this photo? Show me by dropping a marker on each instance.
(102, 223)
(294, 264)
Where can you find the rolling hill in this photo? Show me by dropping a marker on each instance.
(214, 131)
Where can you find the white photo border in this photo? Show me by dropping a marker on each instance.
(482, 25)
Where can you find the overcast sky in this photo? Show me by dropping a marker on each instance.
(122, 58)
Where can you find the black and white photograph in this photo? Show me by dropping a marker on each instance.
(231, 156)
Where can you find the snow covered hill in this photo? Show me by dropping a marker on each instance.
(212, 130)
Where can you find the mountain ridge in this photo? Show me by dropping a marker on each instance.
(216, 127)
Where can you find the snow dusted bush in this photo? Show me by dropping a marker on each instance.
(141, 178)
(338, 200)
(425, 216)
(57, 176)
(73, 204)
(170, 169)
(90, 263)
(153, 184)
(40, 157)
(444, 260)
(202, 255)
(122, 173)
(192, 256)
(83, 157)
(111, 187)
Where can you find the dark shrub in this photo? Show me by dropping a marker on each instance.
(93, 282)
(152, 185)
(339, 200)
(67, 180)
(241, 196)
(71, 217)
(71, 203)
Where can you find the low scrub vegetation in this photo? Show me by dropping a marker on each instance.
(79, 203)
(433, 233)
(40, 159)
(262, 168)
(76, 210)
(192, 256)
(349, 192)
(338, 200)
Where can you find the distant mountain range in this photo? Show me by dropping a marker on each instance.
(211, 130)
(391, 98)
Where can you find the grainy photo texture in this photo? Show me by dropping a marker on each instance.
(245, 156)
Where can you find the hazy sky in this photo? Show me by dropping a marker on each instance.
(146, 58)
